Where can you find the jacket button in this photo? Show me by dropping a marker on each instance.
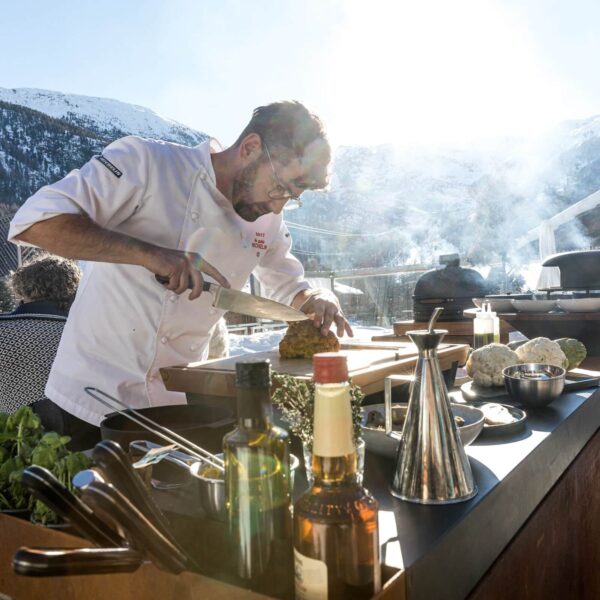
(164, 339)
(173, 297)
(195, 216)
(203, 176)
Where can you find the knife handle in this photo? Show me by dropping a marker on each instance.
(44, 486)
(164, 280)
(113, 461)
(48, 562)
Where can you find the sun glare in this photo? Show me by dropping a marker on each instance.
(436, 71)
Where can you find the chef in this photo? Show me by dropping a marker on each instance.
(144, 208)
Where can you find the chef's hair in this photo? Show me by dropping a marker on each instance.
(46, 277)
(289, 124)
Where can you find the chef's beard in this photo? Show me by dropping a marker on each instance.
(242, 197)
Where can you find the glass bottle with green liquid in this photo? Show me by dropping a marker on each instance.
(257, 487)
(486, 327)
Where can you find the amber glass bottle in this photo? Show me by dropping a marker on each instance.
(257, 487)
(336, 541)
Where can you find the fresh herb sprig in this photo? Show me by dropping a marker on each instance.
(23, 442)
(295, 398)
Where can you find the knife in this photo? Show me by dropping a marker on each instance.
(50, 562)
(44, 486)
(114, 507)
(245, 304)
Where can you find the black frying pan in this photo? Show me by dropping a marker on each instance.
(203, 425)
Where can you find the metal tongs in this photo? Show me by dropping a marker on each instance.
(163, 432)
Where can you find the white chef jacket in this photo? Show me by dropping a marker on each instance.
(123, 325)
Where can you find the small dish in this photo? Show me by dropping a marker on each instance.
(579, 381)
(534, 306)
(579, 305)
(502, 303)
(477, 393)
(378, 442)
(518, 425)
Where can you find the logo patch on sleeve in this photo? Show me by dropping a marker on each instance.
(116, 172)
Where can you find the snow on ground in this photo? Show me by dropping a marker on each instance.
(269, 340)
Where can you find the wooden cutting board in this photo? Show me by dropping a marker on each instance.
(368, 364)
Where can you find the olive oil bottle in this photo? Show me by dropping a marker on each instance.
(336, 539)
(486, 327)
(257, 487)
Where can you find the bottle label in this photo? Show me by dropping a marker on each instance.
(311, 577)
(332, 435)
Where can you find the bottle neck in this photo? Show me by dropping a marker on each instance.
(337, 470)
(334, 454)
(254, 409)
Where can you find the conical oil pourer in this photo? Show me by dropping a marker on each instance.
(432, 466)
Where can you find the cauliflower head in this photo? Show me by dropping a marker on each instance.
(544, 351)
(485, 365)
(574, 350)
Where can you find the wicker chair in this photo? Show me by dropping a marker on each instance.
(28, 344)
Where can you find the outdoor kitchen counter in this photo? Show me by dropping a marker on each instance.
(534, 489)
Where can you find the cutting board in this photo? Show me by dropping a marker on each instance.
(368, 364)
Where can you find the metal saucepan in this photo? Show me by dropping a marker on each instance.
(206, 491)
(203, 425)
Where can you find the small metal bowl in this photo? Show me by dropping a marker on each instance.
(211, 492)
(534, 385)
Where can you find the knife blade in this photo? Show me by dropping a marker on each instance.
(246, 304)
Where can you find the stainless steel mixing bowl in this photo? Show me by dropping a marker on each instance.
(534, 385)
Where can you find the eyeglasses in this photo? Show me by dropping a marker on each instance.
(280, 191)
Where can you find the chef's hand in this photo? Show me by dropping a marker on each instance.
(179, 267)
(324, 309)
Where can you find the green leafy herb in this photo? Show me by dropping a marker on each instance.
(23, 442)
(295, 398)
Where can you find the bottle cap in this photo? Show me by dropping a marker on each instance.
(330, 367)
(488, 310)
(253, 374)
(483, 314)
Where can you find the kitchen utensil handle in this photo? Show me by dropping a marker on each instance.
(387, 400)
(113, 505)
(44, 486)
(51, 562)
(205, 286)
(118, 470)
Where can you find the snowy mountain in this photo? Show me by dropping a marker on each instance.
(43, 135)
(103, 114)
(412, 204)
(387, 205)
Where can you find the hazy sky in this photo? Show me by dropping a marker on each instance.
(377, 71)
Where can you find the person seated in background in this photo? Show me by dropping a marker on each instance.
(44, 289)
(7, 302)
(45, 285)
